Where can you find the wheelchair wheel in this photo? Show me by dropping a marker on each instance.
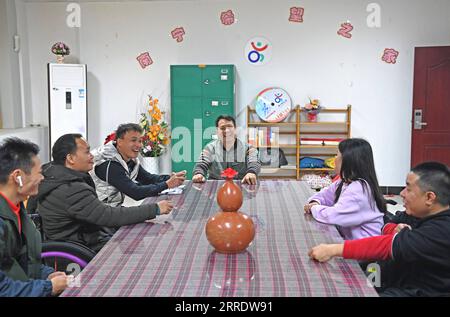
(69, 257)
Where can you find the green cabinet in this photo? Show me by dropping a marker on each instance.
(199, 94)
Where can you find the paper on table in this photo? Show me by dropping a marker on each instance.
(173, 191)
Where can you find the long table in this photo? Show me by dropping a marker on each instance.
(170, 255)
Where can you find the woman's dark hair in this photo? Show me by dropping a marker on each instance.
(358, 165)
(65, 145)
(16, 153)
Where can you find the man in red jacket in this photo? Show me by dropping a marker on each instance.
(413, 261)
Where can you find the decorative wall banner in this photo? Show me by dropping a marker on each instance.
(345, 30)
(178, 34)
(390, 56)
(144, 60)
(258, 51)
(296, 14)
(227, 17)
(273, 104)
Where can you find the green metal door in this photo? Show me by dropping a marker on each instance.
(199, 94)
(218, 80)
(212, 108)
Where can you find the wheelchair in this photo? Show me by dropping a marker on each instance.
(67, 256)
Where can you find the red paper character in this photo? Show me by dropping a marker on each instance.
(178, 34)
(390, 56)
(227, 17)
(296, 14)
(144, 59)
(345, 30)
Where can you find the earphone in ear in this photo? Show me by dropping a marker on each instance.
(19, 180)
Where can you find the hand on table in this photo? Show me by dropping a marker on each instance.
(165, 207)
(55, 274)
(198, 178)
(307, 207)
(249, 178)
(325, 252)
(59, 281)
(176, 179)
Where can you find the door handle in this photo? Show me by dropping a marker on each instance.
(206, 82)
(418, 115)
(207, 113)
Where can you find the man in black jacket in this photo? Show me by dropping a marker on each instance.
(68, 203)
(416, 260)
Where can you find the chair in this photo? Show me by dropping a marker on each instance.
(68, 256)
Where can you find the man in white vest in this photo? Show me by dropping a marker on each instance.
(118, 172)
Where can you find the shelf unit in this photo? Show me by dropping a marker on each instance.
(296, 126)
(336, 128)
(287, 129)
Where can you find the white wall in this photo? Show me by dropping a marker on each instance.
(10, 99)
(38, 135)
(309, 59)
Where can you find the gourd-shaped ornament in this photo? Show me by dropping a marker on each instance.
(229, 230)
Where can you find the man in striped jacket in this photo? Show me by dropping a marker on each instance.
(227, 151)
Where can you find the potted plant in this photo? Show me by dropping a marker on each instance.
(156, 135)
(60, 49)
(312, 109)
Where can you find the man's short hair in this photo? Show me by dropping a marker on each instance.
(227, 118)
(16, 153)
(434, 177)
(124, 128)
(65, 145)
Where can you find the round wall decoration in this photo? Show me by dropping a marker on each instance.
(273, 104)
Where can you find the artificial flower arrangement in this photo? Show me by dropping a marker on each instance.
(313, 106)
(312, 109)
(156, 131)
(229, 173)
(60, 48)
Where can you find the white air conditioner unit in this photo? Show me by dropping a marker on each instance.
(67, 106)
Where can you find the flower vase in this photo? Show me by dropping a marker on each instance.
(311, 117)
(229, 230)
(150, 164)
(60, 59)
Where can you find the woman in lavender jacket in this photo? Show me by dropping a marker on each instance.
(354, 203)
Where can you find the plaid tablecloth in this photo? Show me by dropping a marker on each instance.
(170, 256)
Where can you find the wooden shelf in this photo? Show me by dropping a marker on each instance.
(302, 128)
(254, 111)
(316, 169)
(322, 123)
(288, 146)
(318, 154)
(323, 132)
(287, 132)
(328, 110)
(307, 146)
